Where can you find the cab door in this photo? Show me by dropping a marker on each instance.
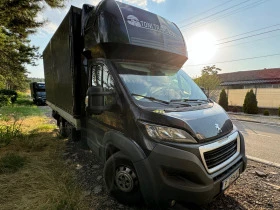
(98, 125)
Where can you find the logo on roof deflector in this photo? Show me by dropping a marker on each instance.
(132, 20)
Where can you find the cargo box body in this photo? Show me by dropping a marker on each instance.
(62, 65)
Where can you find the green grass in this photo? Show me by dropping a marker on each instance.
(44, 181)
(33, 173)
(23, 107)
(24, 99)
(9, 131)
(19, 111)
(10, 163)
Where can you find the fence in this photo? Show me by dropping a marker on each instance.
(266, 97)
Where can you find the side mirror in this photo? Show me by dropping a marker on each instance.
(99, 100)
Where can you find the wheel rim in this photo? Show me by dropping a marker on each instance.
(125, 179)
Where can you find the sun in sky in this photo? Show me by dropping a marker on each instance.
(201, 47)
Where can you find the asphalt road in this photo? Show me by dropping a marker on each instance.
(262, 140)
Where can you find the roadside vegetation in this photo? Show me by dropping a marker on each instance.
(250, 105)
(266, 113)
(33, 173)
(223, 100)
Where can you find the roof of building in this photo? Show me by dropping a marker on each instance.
(263, 76)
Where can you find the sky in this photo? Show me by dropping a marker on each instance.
(234, 35)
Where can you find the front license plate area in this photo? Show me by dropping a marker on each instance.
(230, 179)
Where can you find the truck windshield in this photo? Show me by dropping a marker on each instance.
(41, 93)
(155, 84)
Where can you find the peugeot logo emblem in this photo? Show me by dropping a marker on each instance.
(218, 128)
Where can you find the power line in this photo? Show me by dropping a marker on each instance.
(215, 13)
(242, 43)
(242, 59)
(246, 37)
(248, 32)
(205, 11)
(227, 14)
(251, 5)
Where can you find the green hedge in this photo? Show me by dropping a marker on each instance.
(5, 94)
(266, 113)
(223, 100)
(250, 105)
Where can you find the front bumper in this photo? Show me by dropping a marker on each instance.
(174, 174)
(40, 100)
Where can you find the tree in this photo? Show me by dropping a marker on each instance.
(223, 101)
(209, 79)
(250, 105)
(18, 20)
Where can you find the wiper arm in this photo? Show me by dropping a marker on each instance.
(151, 98)
(188, 100)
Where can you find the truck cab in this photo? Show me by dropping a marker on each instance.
(122, 90)
(38, 93)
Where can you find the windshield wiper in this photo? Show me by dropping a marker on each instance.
(151, 98)
(189, 100)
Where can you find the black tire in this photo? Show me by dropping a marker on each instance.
(74, 135)
(112, 169)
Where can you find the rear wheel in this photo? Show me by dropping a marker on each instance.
(121, 179)
(74, 134)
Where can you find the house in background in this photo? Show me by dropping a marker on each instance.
(265, 83)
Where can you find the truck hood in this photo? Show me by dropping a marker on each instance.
(205, 124)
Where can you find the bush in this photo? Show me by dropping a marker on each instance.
(279, 112)
(7, 132)
(250, 105)
(4, 100)
(223, 101)
(11, 94)
(266, 113)
(234, 109)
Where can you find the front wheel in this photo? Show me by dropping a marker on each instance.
(121, 179)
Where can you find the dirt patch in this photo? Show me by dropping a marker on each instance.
(48, 112)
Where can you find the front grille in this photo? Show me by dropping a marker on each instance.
(219, 155)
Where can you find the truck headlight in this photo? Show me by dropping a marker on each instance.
(164, 133)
